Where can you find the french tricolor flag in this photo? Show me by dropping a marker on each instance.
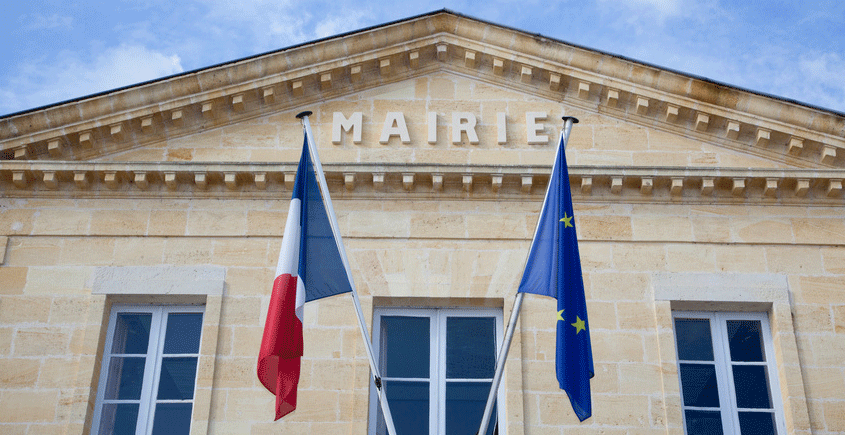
(309, 268)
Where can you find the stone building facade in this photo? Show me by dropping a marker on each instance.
(696, 203)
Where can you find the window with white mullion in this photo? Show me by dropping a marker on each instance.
(455, 348)
(149, 370)
(751, 372)
(727, 373)
(469, 342)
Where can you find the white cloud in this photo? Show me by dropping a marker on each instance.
(70, 75)
(819, 80)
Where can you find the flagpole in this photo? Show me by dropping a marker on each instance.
(517, 304)
(324, 188)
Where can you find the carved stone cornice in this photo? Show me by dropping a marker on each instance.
(305, 75)
(482, 182)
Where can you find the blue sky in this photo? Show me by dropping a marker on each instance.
(59, 50)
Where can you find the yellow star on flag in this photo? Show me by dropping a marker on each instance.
(579, 325)
(567, 220)
(560, 315)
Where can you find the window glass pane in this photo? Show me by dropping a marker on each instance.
(405, 346)
(757, 423)
(694, 340)
(465, 406)
(119, 419)
(752, 387)
(126, 377)
(172, 419)
(698, 382)
(131, 333)
(409, 407)
(177, 378)
(703, 422)
(746, 342)
(183, 333)
(470, 347)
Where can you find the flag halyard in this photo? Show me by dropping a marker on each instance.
(554, 269)
(309, 268)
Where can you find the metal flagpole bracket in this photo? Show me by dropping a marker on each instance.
(301, 115)
(377, 381)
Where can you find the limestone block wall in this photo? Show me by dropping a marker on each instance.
(422, 252)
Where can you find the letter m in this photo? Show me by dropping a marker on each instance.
(353, 123)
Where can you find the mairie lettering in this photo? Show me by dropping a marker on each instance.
(463, 127)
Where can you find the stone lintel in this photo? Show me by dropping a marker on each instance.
(260, 180)
(54, 147)
(142, 180)
(81, 179)
(201, 180)
(466, 182)
(646, 185)
(612, 97)
(702, 121)
(378, 180)
(616, 184)
(496, 182)
(642, 106)
(207, 110)
(583, 90)
(158, 280)
(526, 74)
(498, 67)
(586, 185)
(795, 146)
(527, 183)
(354, 73)
(147, 125)
(349, 181)
(230, 179)
(408, 181)
(437, 182)
(442, 52)
(326, 81)
(384, 67)
(238, 102)
(117, 132)
(51, 180)
(828, 155)
(470, 59)
(763, 137)
(834, 188)
(268, 94)
(554, 81)
(732, 130)
(677, 186)
(671, 113)
(771, 187)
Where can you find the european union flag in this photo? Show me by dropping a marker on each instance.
(554, 269)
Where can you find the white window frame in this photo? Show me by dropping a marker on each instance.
(152, 367)
(437, 355)
(724, 373)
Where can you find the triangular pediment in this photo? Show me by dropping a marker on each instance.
(600, 139)
(633, 115)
